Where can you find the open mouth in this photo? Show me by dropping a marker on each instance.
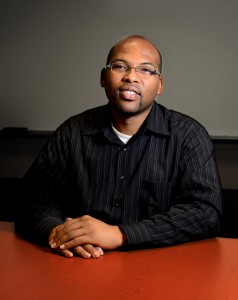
(129, 93)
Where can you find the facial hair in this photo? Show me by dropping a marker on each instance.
(127, 113)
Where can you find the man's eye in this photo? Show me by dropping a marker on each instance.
(119, 67)
(146, 71)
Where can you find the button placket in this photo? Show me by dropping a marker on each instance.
(120, 187)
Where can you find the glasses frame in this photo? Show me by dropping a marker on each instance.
(109, 67)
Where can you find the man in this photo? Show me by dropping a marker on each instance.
(129, 173)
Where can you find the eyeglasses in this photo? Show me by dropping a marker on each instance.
(144, 71)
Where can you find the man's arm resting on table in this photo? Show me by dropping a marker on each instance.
(182, 223)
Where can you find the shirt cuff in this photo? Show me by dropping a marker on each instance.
(44, 228)
(136, 233)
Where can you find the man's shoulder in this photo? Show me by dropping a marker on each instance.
(178, 124)
(90, 120)
(94, 112)
(175, 119)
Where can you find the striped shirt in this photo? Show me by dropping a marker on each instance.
(162, 187)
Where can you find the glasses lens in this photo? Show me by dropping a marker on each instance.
(142, 71)
(119, 68)
(146, 71)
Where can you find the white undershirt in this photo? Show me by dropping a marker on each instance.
(123, 137)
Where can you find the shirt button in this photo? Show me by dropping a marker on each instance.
(124, 149)
(122, 177)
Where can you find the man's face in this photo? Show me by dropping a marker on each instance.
(128, 93)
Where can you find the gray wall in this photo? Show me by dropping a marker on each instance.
(52, 52)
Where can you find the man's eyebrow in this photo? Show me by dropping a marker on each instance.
(119, 60)
(141, 64)
(148, 63)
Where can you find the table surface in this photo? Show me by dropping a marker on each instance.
(203, 270)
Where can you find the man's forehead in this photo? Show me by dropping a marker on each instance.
(137, 42)
(135, 45)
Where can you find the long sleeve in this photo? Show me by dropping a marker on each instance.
(41, 209)
(197, 206)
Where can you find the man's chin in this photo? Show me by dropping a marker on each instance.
(127, 111)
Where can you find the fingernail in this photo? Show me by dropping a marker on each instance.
(62, 247)
(70, 254)
(96, 254)
(53, 245)
(87, 255)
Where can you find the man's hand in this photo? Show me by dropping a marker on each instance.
(86, 231)
(85, 251)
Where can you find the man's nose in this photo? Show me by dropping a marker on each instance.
(131, 75)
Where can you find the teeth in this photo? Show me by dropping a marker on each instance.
(130, 92)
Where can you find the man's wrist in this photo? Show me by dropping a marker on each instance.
(122, 236)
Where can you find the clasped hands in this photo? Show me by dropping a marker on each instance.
(86, 237)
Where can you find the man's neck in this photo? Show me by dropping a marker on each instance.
(128, 125)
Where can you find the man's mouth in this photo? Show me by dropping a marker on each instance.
(131, 93)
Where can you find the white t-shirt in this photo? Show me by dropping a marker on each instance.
(123, 137)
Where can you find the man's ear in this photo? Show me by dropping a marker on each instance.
(102, 77)
(161, 86)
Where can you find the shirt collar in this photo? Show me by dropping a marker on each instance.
(156, 121)
(97, 120)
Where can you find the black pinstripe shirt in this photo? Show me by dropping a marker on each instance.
(162, 187)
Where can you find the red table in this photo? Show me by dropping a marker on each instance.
(204, 270)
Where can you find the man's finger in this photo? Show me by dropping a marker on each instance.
(65, 253)
(96, 252)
